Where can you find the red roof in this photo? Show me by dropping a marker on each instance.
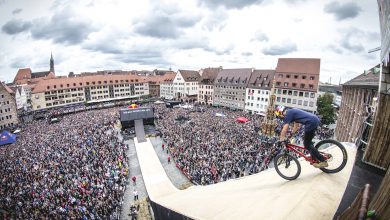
(298, 65)
(23, 74)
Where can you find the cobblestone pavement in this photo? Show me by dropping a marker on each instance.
(134, 170)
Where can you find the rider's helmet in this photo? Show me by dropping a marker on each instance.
(280, 111)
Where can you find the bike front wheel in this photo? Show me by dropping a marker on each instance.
(287, 166)
(335, 155)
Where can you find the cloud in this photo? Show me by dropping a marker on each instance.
(247, 54)
(165, 21)
(280, 49)
(63, 27)
(15, 26)
(143, 56)
(17, 11)
(342, 11)
(216, 21)
(294, 2)
(229, 4)
(352, 41)
(260, 36)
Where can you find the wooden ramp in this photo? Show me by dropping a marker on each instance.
(314, 195)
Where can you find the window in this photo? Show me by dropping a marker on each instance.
(67, 85)
(299, 102)
(288, 100)
(289, 92)
(312, 95)
(295, 93)
(294, 85)
(278, 83)
(288, 76)
(311, 77)
(284, 92)
(311, 104)
(303, 77)
(306, 94)
(48, 87)
(281, 75)
(279, 91)
(283, 99)
(302, 86)
(294, 101)
(278, 99)
(311, 86)
(301, 94)
(286, 84)
(295, 76)
(305, 103)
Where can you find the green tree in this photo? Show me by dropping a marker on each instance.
(325, 108)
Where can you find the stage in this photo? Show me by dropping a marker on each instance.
(314, 195)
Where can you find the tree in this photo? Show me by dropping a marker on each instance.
(325, 108)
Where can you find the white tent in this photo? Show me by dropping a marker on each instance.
(159, 102)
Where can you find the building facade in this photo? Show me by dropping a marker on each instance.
(258, 91)
(21, 98)
(62, 91)
(166, 87)
(8, 111)
(296, 83)
(185, 85)
(206, 85)
(230, 87)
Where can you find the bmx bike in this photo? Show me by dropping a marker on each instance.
(288, 166)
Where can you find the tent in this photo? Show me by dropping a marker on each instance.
(159, 102)
(242, 119)
(7, 138)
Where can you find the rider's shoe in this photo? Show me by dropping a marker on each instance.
(320, 164)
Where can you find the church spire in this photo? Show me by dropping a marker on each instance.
(51, 63)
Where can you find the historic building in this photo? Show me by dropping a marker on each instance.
(26, 76)
(166, 87)
(230, 86)
(62, 91)
(185, 85)
(297, 83)
(258, 91)
(8, 111)
(206, 85)
(156, 80)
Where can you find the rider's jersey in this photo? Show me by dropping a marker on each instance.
(311, 121)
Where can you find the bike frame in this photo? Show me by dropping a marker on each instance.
(294, 148)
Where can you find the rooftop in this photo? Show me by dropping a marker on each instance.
(298, 65)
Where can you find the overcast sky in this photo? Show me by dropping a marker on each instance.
(191, 34)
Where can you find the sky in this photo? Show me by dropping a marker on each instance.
(88, 36)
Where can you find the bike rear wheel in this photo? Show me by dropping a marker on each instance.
(287, 166)
(335, 153)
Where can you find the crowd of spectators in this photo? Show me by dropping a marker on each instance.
(74, 169)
